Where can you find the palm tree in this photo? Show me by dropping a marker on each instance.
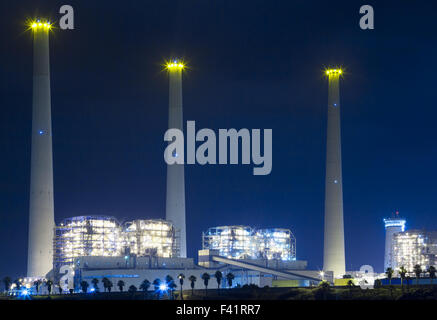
(230, 276)
(49, 285)
(120, 285)
(206, 278)
(418, 271)
(37, 284)
(193, 280)
(170, 284)
(218, 276)
(389, 272)
(132, 289)
(84, 285)
(432, 272)
(109, 285)
(95, 281)
(181, 278)
(145, 285)
(156, 284)
(105, 283)
(402, 273)
(7, 282)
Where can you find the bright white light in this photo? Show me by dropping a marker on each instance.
(163, 287)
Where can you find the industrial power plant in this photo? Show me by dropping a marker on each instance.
(408, 248)
(101, 247)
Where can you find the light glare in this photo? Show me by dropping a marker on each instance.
(163, 287)
(334, 72)
(37, 24)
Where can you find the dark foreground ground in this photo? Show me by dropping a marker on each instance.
(254, 293)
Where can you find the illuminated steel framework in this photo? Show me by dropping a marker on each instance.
(103, 236)
(277, 244)
(152, 238)
(243, 242)
(414, 247)
(86, 236)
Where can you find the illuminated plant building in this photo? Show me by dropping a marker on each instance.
(414, 247)
(243, 242)
(100, 236)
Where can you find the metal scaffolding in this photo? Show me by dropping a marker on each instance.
(243, 242)
(234, 242)
(414, 247)
(152, 238)
(103, 236)
(277, 244)
(86, 236)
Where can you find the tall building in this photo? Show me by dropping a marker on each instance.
(175, 196)
(41, 207)
(392, 225)
(414, 247)
(333, 254)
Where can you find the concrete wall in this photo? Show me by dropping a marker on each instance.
(132, 262)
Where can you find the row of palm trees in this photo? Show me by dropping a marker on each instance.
(17, 284)
(417, 270)
(169, 284)
(157, 283)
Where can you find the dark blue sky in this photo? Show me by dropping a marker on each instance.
(253, 64)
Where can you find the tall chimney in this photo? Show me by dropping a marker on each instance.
(175, 201)
(41, 211)
(333, 255)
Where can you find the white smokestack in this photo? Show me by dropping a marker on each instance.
(41, 211)
(334, 256)
(175, 202)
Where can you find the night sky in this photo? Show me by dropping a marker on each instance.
(252, 64)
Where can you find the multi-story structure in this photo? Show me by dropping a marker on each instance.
(243, 242)
(101, 236)
(414, 247)
(86, 236)
(151, 238)
(277, 244)
(392, 226)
